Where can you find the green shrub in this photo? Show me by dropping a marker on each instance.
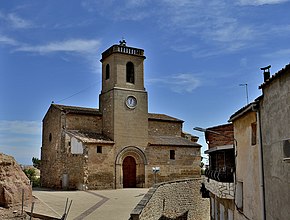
(31, 174)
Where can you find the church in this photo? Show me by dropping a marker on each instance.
(119, 144)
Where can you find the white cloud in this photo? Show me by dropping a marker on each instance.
(15, 21)
(214, 27)
(96, 5)
(209, 24)
(231, 32)
(261, 2)
(126, 10)
(136, 3)
(18, 22)
(74, 45)
(177, 83)
(279, 53)
(279, 29)
(7, 41)
(244, 62)
(20, 127)
(85, 48)
(184, 82)
(182, 47)
(232, 37)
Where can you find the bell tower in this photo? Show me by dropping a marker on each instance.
(123, 99)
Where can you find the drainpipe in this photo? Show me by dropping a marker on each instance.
(261, 164)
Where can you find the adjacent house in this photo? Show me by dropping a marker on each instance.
(248, 175)
(220, 173)
(120, 144)
(275, 134)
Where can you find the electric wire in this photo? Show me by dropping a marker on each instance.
(81, 91)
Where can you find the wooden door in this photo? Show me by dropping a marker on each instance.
(129, 172)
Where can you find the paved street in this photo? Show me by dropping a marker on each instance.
(96, 204)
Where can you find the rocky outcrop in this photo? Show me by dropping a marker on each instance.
(13, 182)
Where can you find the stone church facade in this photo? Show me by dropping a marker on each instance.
(119, 144)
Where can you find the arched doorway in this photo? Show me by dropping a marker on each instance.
(140, 163)
(129, 172)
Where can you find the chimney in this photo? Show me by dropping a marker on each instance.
(266, 72)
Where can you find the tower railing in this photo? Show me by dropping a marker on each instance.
(122, 49)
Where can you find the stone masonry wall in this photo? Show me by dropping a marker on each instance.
(73, 165)
(222, 190)
(106, 106)
(84, 122)
(130, 125)
(101, 167)
(51, 165)
(185, 165)
(173, 199)
(167, 128)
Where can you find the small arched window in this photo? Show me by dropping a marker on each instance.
(107, 71)
(130, 72)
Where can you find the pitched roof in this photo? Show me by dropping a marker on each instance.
(220, 126)
(89, 137)
(95, 111)
(276, 75)
(162, 117)
(250, 107)
(171, 141)
(77, 109)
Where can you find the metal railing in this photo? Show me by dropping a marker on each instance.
(225, 174)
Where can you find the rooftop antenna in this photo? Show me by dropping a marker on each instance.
(266, 72)
(246, 86)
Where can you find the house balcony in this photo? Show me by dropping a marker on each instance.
(224, 174)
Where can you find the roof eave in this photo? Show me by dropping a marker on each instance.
(242, 111)
(175, 145)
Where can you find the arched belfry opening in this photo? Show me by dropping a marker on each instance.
(130, 74)
(130, 168)
(107, 71)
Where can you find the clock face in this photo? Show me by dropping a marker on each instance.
(131, 102)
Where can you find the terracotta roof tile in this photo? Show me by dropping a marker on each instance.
(77, 109)
(163, 117)
(171, 141)
(84, 110)
(89, 137)
(217, 127)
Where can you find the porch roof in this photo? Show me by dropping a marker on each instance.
(89, 137)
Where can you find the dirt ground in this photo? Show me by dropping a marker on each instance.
(12, 213)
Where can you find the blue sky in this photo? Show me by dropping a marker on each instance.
(198, 52)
